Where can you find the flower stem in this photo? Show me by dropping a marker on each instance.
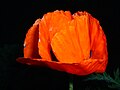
(71, 83)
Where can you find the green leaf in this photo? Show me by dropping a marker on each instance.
(113, 86)
(116, 75)
(112, 82)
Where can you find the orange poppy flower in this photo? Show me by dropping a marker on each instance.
(77, 41)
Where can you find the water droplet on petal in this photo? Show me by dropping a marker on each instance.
(24, 45)
(39, 40)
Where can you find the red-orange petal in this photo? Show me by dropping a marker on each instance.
(65, 44)
(85, 68)
(31, 42)
(48, 26)
(44, 40)
(82, 30)
(98, 43)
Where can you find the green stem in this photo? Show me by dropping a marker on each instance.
(71, 83)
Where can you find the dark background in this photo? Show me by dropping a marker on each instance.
(16, 17)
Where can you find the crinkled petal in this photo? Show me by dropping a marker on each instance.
(31, 42)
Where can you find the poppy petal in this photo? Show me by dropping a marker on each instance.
(58, 20)
(72, 68)
(49, 25)
(82, 29)
(43, 41)
(98, 43)
(31, 42)
(65, 45)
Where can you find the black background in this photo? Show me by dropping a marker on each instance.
(16, 17)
